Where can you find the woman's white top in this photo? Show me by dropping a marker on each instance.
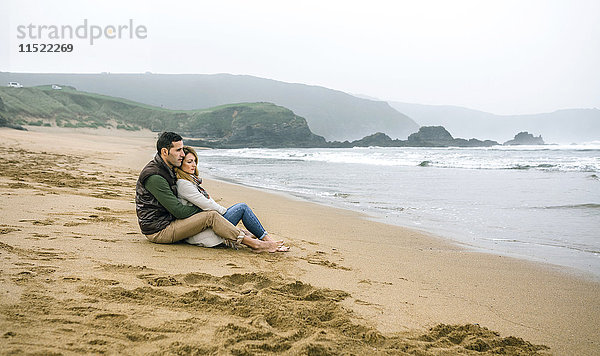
(188, 194)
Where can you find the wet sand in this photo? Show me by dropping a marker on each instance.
(77, 276)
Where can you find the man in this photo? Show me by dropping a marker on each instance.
(162, 217)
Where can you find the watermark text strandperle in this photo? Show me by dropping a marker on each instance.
(83, 31)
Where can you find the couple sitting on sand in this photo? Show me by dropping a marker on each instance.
(172, 206)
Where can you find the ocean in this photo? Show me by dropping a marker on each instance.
(540, 203)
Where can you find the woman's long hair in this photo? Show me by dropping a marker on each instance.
(191, 177)
(184, 175)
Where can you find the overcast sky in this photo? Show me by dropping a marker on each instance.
(504, 57)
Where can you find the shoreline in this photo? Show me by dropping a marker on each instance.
(398, 279)
(432, 232)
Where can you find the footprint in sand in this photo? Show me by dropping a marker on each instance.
(159, 281)
(370, 282)
(8, 230)
(123, 268)
(105, 240)
(44, 222)
(320, 258)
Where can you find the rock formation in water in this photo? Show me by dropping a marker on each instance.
(525, 138)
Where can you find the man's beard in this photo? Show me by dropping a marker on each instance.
(175, 163)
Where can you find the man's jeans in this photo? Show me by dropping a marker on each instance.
(242, 212)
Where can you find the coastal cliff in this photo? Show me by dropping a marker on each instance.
(232, 126)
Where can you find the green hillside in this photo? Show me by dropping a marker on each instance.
(244, 124)
(330, 113)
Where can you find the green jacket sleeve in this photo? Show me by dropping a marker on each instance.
(159, 187)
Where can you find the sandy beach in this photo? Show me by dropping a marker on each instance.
(77, 276)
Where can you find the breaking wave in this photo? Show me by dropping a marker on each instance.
(527, 158)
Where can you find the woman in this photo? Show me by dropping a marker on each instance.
(190, 192)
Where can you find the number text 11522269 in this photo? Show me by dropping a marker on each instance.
(45, 47)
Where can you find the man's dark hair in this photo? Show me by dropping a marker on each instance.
(166, 139)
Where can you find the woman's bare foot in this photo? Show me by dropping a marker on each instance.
(281, 248)
(267, 237)
(269, 246)
(265, 245)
